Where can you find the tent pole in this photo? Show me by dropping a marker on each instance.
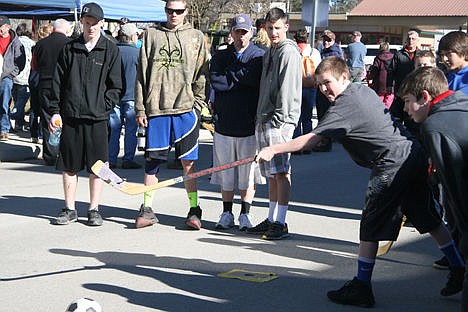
(34, 28)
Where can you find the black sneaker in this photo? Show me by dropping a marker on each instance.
(441, 264)
(94, 218)
(455, 281)
(66, 216)
(146, 217)
(260, 228)
(276, 231)
(353, 292)
(193, 220)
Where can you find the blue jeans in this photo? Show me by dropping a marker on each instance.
(124, 112)
(6, 86)
(304, 125)
(20, 96)
(35, 113)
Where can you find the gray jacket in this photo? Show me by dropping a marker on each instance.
(281, 85)
(14, 58)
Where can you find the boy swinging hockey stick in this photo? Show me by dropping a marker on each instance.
(103, 171)
(398, 183)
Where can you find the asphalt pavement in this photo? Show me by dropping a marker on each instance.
(43, 267)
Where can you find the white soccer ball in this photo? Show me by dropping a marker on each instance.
(84, 305)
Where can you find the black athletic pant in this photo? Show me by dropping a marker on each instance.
(49, 152)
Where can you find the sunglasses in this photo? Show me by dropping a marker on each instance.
(176, 11)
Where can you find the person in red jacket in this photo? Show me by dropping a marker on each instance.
(442, 114)
(381, 76)
(14, 59)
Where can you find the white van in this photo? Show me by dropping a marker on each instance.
(373, 51)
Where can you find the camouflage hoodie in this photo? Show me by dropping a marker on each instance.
(172, 75)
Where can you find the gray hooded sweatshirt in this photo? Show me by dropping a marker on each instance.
(281, 85)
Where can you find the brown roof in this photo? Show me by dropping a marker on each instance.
(411, 8)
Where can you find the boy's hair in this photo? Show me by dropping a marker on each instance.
(301, 36)
(384, 46)
(426, 78)
(455, 41)
(425, 53)
(183, 1)
(276, 14)
(333, 65)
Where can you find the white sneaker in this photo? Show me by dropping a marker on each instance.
(226, 221)
(245, 221)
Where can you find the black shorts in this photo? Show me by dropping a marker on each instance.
(82, 142)
(394, 192)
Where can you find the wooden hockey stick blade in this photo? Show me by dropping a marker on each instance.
(104, 172)
(384, 249)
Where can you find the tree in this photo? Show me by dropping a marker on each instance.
(336, 6)
(206, 14)
(343, 6)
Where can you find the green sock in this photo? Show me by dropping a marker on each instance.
(148, 199)
(193, 199)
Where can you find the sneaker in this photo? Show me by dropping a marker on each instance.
(226, 221)
(276, 231)
(94, 218)
(260, 228)
(353, 292)
(245, 221)
(3, 136)
(441, 264)
(66, 216)
(146, 217)
(455, 281)
(130, 165)
(193, 220)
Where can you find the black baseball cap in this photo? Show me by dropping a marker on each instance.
(4, 20)
(92, 9)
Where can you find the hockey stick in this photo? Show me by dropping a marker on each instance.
(385, 248)
(103, 171)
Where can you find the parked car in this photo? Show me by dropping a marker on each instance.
(373, 51)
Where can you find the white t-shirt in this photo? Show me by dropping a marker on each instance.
(309, 51)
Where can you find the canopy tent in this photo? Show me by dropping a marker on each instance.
(46, 9)
(143, 11)
(135, 11)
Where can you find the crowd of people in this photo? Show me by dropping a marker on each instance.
(261, 92)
